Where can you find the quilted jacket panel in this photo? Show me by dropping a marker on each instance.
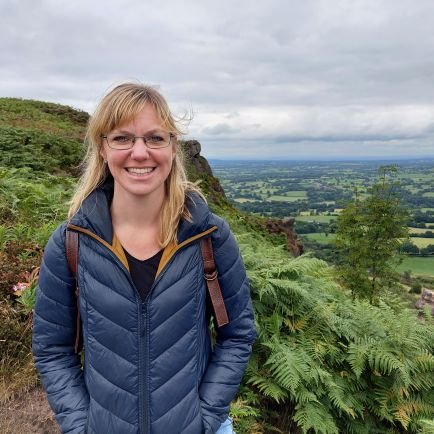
(149, 366)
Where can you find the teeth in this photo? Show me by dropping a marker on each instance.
(140, 171)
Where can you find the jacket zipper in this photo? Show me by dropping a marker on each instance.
(143, 318)
(143, 401)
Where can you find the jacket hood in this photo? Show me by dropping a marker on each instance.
(94, 214)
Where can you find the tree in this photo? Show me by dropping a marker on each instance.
(428, 250)
(409, 248)
(416, 287)
(368, 236)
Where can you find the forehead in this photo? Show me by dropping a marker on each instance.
(144, 118)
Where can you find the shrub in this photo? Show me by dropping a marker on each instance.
(416, 287)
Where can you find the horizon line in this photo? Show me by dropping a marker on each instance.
(280, 159)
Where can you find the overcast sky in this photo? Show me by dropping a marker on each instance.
(265, 79)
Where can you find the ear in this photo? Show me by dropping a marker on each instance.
(103, 153)
(174, 147)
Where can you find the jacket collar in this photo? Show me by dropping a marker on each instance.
(200, 214)
(94, 214)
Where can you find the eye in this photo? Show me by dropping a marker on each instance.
(156, 138)
(121, 139)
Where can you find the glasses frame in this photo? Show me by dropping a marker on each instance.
(134, 138)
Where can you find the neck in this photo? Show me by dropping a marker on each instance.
(137, 211)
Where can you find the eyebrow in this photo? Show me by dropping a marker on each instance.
(154, 130)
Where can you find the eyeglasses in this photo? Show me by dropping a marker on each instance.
(126, 141)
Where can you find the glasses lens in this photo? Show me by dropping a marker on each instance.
(120, 141)
(154, 141)
(158, 140)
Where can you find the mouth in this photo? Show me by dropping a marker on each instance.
(137, 171)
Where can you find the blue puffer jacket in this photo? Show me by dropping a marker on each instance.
(149, 366)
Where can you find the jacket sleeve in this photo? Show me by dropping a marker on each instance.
(54, 331)
(234, 342)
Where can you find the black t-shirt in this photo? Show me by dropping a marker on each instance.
(143, 272)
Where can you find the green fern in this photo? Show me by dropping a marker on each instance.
(344, 365)
(426, 426)
(314, 416)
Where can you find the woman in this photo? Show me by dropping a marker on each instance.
(149, 366)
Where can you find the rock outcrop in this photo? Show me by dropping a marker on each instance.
(199, 168)
(426, 299)
(286, 227)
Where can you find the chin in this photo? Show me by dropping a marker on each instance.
(142, 190)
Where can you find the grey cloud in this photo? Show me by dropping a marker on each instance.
(219, 129)
(223, 58)
(232, 115)
(383, 138)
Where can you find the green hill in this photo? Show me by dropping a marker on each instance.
(40, 135)
(322, 363)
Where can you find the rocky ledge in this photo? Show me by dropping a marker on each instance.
(426, 299)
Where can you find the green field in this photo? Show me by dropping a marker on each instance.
(285, 198)
(418, 265)
(259, 184)
(417, 176)
(242, 200)
(316, 218)
(299, 193)
(412, 189)
(422, 242)
(418, 231)
(320, 238)
(289, 196)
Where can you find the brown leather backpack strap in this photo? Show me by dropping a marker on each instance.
(72, 258)
(72, 252)
(210, 274)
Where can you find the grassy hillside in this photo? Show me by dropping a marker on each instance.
(322, 363)
(42, 136)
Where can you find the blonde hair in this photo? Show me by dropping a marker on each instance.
(119, 106)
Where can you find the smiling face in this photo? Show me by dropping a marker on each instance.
(140, 171)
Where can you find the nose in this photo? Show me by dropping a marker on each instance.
(140, 150)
